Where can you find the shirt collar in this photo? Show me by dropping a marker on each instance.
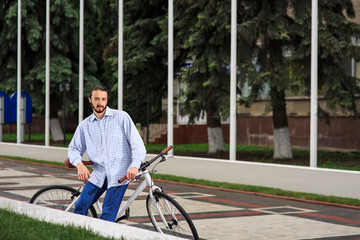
(108, 113)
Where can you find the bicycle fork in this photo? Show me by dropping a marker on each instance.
(155, 201)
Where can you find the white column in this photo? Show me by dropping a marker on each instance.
(81, 62)
(47, 76)
(18, 100)
(314, 85)
(232, 134)
(170, 116)
(120, 57)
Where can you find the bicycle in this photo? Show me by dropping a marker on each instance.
(166, 215)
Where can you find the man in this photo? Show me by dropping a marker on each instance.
(115, 147)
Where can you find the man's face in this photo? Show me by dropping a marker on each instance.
(98, 100)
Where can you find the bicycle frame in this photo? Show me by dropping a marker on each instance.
(147, 182)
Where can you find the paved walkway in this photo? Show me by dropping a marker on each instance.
(217, 214)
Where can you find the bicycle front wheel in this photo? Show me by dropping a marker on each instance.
(176, 221)
(58, 197)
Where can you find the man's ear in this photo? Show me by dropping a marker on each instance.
(89, 100)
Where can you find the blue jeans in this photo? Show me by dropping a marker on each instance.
(111, 204)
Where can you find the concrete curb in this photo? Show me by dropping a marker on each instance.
(101, 227)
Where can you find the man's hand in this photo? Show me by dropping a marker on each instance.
(83, 172)
(131, 173)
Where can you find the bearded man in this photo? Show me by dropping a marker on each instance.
(116, 149)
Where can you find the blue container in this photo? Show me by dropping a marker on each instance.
(13, 103)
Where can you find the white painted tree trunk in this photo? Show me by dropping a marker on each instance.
(55, 130)
(216, 140)
(282, 145)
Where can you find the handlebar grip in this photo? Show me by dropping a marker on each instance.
(167, 149)
(69, 165)
(122, 179)
(87, 162)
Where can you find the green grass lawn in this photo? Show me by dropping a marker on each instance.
(16, 226)
(326, 159)
(33, 137)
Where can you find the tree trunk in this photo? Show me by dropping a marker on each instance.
(214, 130)
(55, 128)
(282, 145)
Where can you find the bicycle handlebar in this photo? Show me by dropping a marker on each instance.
(167, 149)
(69, 165)
(143, 166)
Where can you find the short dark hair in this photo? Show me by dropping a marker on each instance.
(101, 88)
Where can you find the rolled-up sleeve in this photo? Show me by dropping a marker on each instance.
(77, 147)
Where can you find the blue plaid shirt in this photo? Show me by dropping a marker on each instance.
(113, 143)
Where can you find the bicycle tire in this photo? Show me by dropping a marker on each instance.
(58, 197)
(181, 225)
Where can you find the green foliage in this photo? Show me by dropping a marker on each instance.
(203, 40)
(145, 57)
(274, 47)
(280, 36)
(64, 18)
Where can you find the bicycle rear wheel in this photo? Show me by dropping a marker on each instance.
(178, 222)
(58, 197)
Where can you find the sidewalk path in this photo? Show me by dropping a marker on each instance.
(217, 214)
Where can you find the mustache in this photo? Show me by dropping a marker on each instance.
(98, 111)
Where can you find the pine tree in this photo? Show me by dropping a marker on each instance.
(203, 35)
(145, 58)
(64, 51)
(276, 37)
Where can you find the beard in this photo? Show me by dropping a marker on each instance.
(98, 111)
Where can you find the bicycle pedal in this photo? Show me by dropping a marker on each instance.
(125, 216)
(127, 212)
